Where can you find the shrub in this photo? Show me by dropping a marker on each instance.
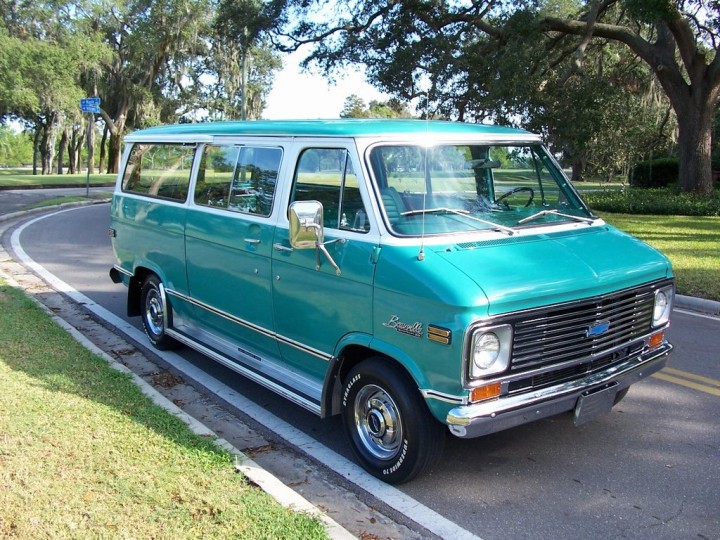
(662, 201)
(655, 173)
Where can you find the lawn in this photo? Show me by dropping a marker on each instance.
(691, 243)
(23, 178)
(84, 454)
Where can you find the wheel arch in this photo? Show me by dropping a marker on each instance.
(353, 351)
(134, 307)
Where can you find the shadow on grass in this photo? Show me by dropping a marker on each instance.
(31, 343)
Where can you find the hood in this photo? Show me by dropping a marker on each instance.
(531, 271)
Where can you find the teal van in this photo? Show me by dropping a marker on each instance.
(416, 278)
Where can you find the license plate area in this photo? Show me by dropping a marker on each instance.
(594, 404)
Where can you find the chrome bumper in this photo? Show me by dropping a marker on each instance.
(468, 421)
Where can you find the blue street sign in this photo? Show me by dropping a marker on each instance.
(90, 105)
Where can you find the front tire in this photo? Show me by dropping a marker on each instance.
(156, 314)
(391, 431)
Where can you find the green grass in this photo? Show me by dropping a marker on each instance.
(23, 178)
(691, 243)
(84, 454)
(68, 199)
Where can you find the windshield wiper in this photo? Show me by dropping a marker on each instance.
(463, 213)
(543, 213)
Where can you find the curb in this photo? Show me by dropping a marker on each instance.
(41, 209)
(284, 495)
(711, 307)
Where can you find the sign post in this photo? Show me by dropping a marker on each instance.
(91, 106)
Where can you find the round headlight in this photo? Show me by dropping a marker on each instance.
(487, 350)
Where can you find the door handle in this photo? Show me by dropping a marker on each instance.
(254, 241)
(281, 247)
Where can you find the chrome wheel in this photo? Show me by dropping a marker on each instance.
(154, 312)
(378, 422)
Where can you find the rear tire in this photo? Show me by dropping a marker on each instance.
(156, 314)
(391, 431)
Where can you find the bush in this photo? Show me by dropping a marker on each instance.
(662, 202)
(655, 173)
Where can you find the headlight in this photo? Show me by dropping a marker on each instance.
(490, 350)
(663, 305)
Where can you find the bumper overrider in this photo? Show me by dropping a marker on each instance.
(589, 396)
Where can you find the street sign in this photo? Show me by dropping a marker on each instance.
(90, 105)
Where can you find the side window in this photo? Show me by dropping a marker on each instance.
(326, 175)
(238, 178)
(159, 170)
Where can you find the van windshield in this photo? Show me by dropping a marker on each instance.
(469, 187)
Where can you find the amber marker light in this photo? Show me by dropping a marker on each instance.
(656, 340)
(487, 391)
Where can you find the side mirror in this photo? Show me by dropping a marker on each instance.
(306, 230)
(306, 224)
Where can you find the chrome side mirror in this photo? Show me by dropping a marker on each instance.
(306, 230)
(306, 224)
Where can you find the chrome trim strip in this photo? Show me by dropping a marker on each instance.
(123, 271)
(248, 373)
(247, 324)
(447, 398)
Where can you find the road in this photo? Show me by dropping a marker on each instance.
(648, 470)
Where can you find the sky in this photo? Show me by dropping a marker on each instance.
(297, 95)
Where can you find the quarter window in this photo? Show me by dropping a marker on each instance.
(159, 170)
(238, 178)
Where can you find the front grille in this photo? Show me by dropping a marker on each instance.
(561, 334)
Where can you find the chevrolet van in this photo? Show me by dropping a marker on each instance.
(416, 278)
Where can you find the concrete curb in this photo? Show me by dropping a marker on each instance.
(711, 307)
(284, 495)
(39, 210)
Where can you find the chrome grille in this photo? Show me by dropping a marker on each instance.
(560, 334)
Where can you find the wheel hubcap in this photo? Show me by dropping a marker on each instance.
(154, 313)
(378, 422)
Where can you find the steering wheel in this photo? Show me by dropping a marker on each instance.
(504, 196)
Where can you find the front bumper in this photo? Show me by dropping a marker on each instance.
(468, 421)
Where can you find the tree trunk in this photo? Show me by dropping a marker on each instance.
(695, 145)
(103, 149)
(578, 170)
(61, 151)
(36, 147)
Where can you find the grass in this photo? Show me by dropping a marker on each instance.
(691, 243)
(55, 201)
(23, 178)
(84, 454)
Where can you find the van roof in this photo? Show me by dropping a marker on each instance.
(330, 128)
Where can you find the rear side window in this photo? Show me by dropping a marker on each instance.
(159, 170)
(238, 178)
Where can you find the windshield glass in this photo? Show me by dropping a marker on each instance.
(470, 187)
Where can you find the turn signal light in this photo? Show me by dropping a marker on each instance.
(656, 340)
(488, 391)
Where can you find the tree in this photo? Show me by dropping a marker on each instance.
(441, 42)
(242, 60)
(355, 107)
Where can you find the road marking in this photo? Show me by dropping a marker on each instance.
(689, 380)
(393, 497)
(696, 314)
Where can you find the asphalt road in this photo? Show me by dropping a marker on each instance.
(649, 470)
